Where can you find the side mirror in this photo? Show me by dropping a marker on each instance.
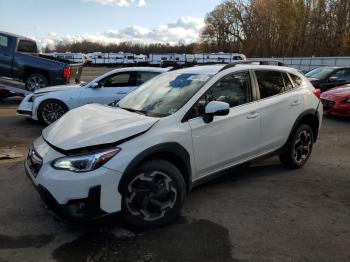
(215, 108)
(96, 85)
(333, 79)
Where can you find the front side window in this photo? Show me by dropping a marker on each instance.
(342, 73)
(119, 80)
(4, 41)
(164, 95)
(27, 46)
(143, 77)
(270, 83)
(234, 89)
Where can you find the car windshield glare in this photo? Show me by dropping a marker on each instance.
(164, 95)
(319, 73)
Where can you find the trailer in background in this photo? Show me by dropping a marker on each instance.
(78, 58)
(218, 58)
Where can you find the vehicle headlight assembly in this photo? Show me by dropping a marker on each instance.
(85, 162)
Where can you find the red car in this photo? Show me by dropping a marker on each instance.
(336, 101)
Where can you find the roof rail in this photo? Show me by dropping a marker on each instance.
(253, 61)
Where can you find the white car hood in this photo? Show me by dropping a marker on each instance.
(56, 88)
(93, 125)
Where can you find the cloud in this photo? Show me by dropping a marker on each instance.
(185, 29)
(121, 3)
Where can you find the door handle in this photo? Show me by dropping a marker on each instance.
(121, 93)
(295, 103)
(253, 115)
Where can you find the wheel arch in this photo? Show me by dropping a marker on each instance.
(309, 117)
(172, 152)
(32, 70)
(47, 100)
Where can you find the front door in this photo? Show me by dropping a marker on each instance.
(227, 139)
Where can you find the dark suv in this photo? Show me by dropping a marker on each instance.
(326, 78)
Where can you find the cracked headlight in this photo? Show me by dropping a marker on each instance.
(85, 162)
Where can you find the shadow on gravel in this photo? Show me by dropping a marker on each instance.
(197, 240)
(9, 242)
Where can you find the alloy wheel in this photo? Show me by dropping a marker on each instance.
(302, 146)
(51, 112)
(35, 82)
(151, 195)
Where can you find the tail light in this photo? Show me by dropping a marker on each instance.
(317, 92)
(66, 72)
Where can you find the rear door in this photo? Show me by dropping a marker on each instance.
(280, 105)
(112, 89)
(227, 139)
(6, 56)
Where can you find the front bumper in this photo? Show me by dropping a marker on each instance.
(70, 195)
(25, 108)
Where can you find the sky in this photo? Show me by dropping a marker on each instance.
(105, 21)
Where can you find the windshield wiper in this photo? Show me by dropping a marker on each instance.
(140, 112)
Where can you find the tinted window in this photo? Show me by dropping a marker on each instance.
(343, 73)
(119, 80)
(234, 89)
(270, 83)
(27, 46)
(4, 41)
(296, 80)
(143, 77)
(287, 83)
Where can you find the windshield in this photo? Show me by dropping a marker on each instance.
(320, 73)
(164, 95)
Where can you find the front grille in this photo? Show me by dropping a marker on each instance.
(34, 161)
(327, 104)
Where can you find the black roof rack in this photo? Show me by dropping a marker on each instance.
(254, 61)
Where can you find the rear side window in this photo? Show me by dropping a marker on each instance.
(287, 83)
(296, 80)
(270, 83)
(143, 77)
(4, 41)
(27, 46)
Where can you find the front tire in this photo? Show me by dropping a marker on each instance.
(51, 110)
(299, 148)
(153, 195)
(35, 81)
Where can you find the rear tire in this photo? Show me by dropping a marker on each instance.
(36, 81)
(51, 110)
(153, 195)
(299, 148)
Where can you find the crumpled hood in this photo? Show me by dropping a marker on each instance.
(342, 91)
(93, 125)
(56, 88)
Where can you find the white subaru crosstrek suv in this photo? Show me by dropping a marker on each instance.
(144, 156)
(49, 104)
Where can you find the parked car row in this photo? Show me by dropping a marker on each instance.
(143, 155)
(334, 82)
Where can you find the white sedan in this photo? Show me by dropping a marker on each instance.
(49, 104)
